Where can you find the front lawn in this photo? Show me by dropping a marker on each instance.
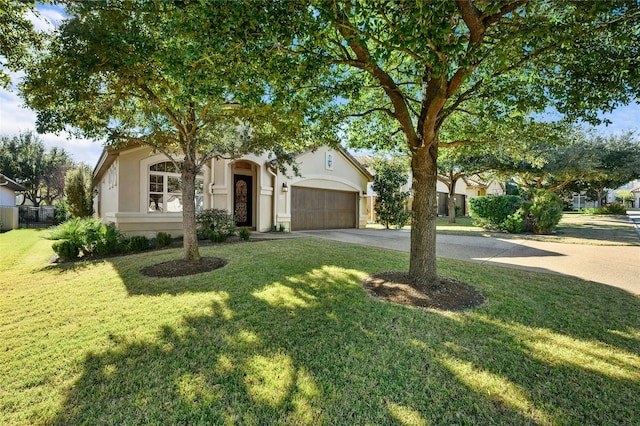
(285, 334)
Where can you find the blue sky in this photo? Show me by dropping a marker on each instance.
(14, 118)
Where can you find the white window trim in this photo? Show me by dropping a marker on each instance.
(145, 181)
(329, 160)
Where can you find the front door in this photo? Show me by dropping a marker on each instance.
(243, 199)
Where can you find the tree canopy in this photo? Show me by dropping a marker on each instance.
(17, 36)
(158, 73)
(24, 158)
(186, 79)
(407, 67)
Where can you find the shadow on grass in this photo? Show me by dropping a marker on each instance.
(301, 343)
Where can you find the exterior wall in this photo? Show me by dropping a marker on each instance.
(122, 196)
(8, 209)
(340, 175)
(8, 218)
(7, 197)
(220, 187)
(106, 199)
(495, 188)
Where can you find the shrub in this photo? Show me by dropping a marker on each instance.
(218, 237)
(215, 220)
(492, 210)
(138, 243)
(62, 212)
(544, 211)
(514, 223)
(244, 233)
(163, 239)
(89, 235)
(70, 230)
(612, 208)
(539, 212)
(66, 249)
(109, 240)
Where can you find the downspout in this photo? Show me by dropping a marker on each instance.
(274, 195)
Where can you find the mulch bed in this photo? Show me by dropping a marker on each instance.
(400, 287)
(181, 267)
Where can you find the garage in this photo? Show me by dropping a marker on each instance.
(313, 208)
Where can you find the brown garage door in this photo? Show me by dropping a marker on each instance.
(322, 209)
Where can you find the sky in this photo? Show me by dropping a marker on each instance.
(14, 118)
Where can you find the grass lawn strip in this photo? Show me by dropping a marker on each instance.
(285, 334)
(574, 228)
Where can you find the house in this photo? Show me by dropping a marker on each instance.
(8, 209)
(634, 187)
(139, 191)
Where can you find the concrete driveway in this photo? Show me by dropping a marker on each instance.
(617, 266)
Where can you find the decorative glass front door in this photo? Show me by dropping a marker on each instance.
(243, 197)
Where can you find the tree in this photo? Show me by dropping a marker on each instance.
(391, 201)
(456, 163)
(79, 194)
(184, 78)
(617, 162)
(626, 197)
(24, 158)
(17, 36)
(411, 65)
(584, 161)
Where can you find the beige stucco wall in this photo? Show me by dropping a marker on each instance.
(315, 173)
(124, 203)
(8, 218)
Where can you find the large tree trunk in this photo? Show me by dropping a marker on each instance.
(422, 263)
(190, 238)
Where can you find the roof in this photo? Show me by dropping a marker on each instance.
(109, 154)
(358, 165)
(10, 183)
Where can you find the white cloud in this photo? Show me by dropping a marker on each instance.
(14, 118)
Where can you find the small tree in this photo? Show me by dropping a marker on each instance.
(390, 176)
(78, 190)
(25, 158)
(625, 197)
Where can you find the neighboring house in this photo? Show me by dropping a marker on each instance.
(140, 192)
(633, 186)
(8, 209)
(636, 194)
(467, 187)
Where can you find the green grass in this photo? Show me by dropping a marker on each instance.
(574, 228)
(284, 334)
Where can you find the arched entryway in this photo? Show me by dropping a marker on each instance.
(244, 193)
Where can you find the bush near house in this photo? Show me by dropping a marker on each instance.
(538, 211)
(86, 236)
(216, 221)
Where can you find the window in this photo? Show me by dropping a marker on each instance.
(165, 189)
(329, 161)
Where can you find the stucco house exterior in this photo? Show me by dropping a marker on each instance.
(633, 186)
(8, 209)
(139, 191)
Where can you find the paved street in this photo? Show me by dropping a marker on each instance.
(617, 266)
